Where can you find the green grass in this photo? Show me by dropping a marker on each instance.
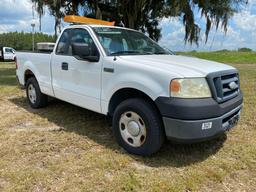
(65, 148)
(235, 57)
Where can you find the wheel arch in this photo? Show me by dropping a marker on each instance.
(28, 74)
(128, 93)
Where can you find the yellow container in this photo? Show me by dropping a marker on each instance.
(86, 20)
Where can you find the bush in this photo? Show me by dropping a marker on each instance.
(222, 50)
(244, 49)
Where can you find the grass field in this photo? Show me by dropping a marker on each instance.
(66, 148)
(225, 56)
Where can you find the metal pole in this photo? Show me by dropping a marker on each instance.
(33, 39)
(33, 35)
(33, 28)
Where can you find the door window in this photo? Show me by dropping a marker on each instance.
(62, 47)
(70, 36)
(82, 36)
(8, 50)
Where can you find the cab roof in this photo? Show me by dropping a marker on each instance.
(97, 26)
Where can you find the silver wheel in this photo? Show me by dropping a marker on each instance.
(32, 93)
(132, 129)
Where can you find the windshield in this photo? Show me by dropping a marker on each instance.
(117, 41)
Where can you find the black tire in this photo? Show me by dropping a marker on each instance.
(40, 99)
(153, 124)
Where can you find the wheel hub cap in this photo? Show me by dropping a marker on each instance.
(32, 93)
(133, 128)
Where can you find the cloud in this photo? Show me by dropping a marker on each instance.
(172, 33)
(241, 33)
(245, 21)
(16, 15)
(12, 10)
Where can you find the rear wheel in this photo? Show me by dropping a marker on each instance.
(138, 127)
(35, 97)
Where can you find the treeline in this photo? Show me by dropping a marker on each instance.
(22, 40)
(243, 49)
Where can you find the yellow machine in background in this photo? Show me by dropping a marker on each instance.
(86, 20)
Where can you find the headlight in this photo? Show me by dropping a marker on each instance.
(190, 88)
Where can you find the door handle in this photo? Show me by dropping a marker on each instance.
(64, 66)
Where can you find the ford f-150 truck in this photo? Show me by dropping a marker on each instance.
(149, 93)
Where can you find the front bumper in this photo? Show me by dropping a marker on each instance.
(198, 120)
(199, 130)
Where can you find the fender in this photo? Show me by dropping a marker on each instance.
(29, 66)
(143, 82)
(43, 86)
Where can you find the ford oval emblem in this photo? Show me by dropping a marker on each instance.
(232, 85)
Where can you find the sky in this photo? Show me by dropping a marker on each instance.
(16, 15)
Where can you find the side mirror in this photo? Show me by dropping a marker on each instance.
(82, 52)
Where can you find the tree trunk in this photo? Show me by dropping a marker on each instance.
(55, 28)
(131, 21)
(98, 13)
(40, 22)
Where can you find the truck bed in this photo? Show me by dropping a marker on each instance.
(41, 66)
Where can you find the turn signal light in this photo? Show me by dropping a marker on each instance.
(175, 86)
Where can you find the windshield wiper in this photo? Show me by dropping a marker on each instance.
(125, 52)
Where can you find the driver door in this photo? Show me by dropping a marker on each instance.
(76, 80)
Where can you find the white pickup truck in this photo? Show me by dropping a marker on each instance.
(149, 93)
(7, 54)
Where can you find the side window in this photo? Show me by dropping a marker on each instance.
(82, 36)
(62, 47)
(8, 50)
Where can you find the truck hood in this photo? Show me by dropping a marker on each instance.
(181, 65)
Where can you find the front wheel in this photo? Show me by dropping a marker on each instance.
(35, 97)
(138, 127)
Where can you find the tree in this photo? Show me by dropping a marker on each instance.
(22, 41)
(58, 9)
(245, 49)
(145, 15)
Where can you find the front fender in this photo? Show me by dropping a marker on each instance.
(153, 87)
